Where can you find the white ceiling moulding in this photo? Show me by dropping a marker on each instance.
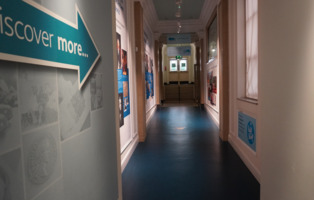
(207, 10)
(150, 14)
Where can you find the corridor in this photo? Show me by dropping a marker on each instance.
(183, 158)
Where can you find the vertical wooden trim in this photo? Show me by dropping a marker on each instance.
(224, 69)
(157, 74)
(202, 73)
(140, 71)
(115, 61)
(161, 77)
(197, 75)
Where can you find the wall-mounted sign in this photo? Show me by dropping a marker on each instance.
(180, 50)
(30, 33)
(178, 38)
(247, 130)
(178, 57)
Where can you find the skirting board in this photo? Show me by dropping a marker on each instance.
(150, 114)
(128, 152)
(256, 172)
(209, 111)
(126, 156)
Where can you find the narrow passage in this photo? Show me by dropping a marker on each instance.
(183, 158)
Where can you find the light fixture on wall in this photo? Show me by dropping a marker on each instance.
(179, 26)
(178, 15)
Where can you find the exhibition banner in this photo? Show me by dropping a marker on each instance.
(178, 38)
(123, 89)
(149, 80)
(30, 33)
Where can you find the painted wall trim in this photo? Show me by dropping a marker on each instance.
(150, 113)
(207, 10)
(127, 154)
(212, 114)
(250, 165)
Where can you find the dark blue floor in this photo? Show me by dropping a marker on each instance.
(183, 158)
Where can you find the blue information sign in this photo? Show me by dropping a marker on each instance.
(32, 34)
(247, 130)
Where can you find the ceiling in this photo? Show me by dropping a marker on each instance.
(190, 9)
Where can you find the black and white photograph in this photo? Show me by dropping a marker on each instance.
(9, 119)
(42, 164)
(38, 96)
(74, 104)
(11, 178)
(96, 91)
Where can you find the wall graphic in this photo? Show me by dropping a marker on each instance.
(212, 87)
(42, 164)
(96, 91)
(149, 69)
(46, 38)
(247, 130)
(9, 117)
(74, 105)
(11, 177)
(38, 89)
(149, 77)
(50, 141)
(123, 87)
(123, 74)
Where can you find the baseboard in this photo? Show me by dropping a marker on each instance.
(126, 155)
(250, 165)
(150, 114)
(209, 110)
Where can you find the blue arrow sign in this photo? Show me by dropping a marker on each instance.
(30, 33)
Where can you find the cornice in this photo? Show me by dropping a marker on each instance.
(207, 10)
(150, 14)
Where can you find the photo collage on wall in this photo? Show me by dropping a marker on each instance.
(149, 77)
(122, 66)
(40, 107)
(123, 82)
(212, 87)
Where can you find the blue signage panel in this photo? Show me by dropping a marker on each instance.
(32, 34)
(247, 130)
(178, 38)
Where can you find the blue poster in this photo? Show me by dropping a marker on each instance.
(247, 130)
(28, 30)
(123, 91)
(149, 81)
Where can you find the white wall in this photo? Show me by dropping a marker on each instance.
(71, 152)
(132, 129)
(128, 132)
(237, 103)
(286, 75)
(149, 51)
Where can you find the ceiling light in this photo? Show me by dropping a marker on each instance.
(178, 14)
